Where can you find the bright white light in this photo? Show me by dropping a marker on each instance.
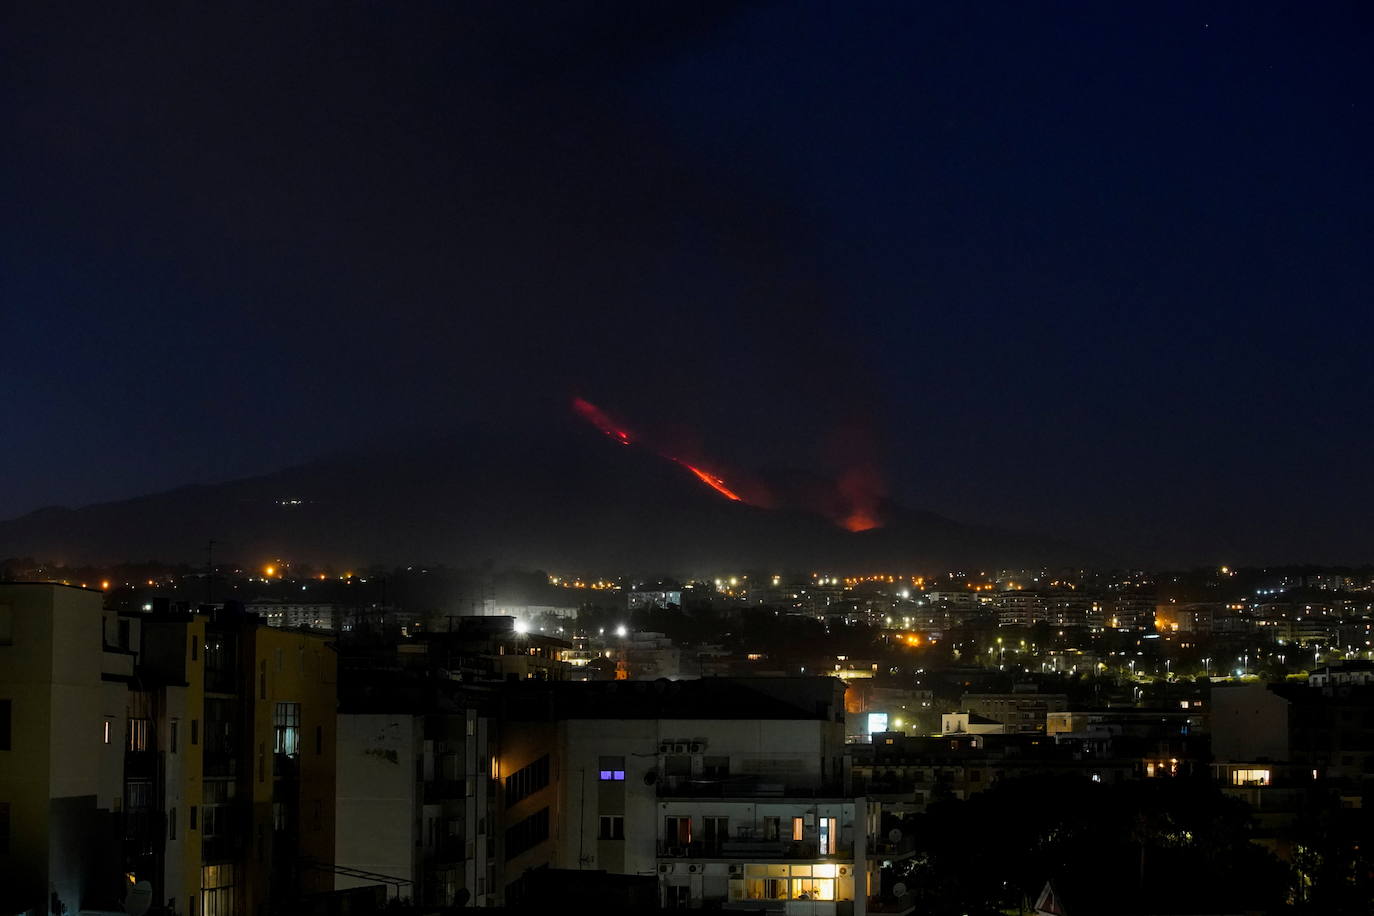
(620, 630)
(521, 626)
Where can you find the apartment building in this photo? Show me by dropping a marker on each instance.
(62, 736)
(191, 751)
(416, 802)
(732, 791)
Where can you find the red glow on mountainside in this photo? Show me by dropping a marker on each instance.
(598, 418)
(711, 480)
(861, 489)
(594, 415)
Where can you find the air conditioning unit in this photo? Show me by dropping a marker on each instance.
(681, 747)
(665, 747)
(844, 871)
(665, 869)
(736, 870)
(693, 869)
(698, 747)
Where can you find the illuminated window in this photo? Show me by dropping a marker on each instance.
(611, 769)
(1249, 777)
(829, 836)
(286, 722)
(217, 890)
(138, 734)
(798, 828)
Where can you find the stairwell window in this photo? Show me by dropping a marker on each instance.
(612, 827)
(611, 769)
(286, 722)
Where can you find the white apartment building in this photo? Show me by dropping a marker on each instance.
(732, 792)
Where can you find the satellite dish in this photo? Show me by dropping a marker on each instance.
(894, 836)
(650, 777)
(139, 898)
(899, 889)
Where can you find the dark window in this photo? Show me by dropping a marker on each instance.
(262, 679)
(6, 712)
(611, 769)
(527, 834)
(612, 827)
(4, 828)
(527, 780)
(193, 817)
(172, 823)
(319, 739)
(195, 732)
(172, 736)
(677, 831)
(195, 654)
(124, 634)
(717, 831)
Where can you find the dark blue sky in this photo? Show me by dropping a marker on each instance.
(1095, 270)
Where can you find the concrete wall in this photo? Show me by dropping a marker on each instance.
(60, 806)
(1249, 723)
(377, 797)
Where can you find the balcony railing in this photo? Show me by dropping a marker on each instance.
(744, 848)
(743, 787)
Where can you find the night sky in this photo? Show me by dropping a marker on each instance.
(1095, 270)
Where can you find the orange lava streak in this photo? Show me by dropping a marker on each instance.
(594, 415)
(712, 481)
(598, 418)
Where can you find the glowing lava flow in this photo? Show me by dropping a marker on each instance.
(597, 417)
(711, 480)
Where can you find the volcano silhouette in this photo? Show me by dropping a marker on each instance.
(563, 496)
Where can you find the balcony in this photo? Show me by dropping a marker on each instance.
(743, 787)
(754, 849)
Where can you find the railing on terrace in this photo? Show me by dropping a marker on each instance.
(743, 787)
(745, 848)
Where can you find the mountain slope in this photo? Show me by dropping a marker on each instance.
(565, 497)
